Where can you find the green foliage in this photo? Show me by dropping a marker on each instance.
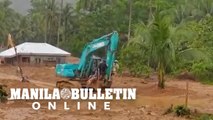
(129, 57)
(9, 19)
(204, 117)
(203, 71)
(181, 110)
(3, 94)
(166, 46)
(155, 41)
(169, 110)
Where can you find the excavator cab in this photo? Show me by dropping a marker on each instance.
(93, 66)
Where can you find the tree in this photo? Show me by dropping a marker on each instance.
(160, 41)
(9, 19)
(24, 31)
(157, 36)
(38, 19)
(44, 16)
(52, 21)
(130, 18)
(92, 5)
(59, 22)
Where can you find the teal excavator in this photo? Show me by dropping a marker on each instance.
(89, 63)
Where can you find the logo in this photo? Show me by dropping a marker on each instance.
(73, 94)
(98, 45)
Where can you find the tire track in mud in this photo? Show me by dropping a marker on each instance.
(36, 82)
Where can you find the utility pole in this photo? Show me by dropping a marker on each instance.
(45, 12)
(59, 23)
(130, 19)
(45, 34)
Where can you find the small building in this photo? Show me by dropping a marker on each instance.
(34, 53)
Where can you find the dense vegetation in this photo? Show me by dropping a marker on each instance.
(167, 36)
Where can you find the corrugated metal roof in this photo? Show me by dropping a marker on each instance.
(30, 48)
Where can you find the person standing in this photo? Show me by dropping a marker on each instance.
(115, 67)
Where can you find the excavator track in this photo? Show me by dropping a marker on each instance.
(83, 84)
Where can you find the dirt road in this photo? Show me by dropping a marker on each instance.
(150, 104)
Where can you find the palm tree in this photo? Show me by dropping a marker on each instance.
(92, 5)
(59, 22)
(24, 32)
(67, 21)
(193, 9)
(38, 18)
(9, 19)
(130, 18)
(44, 14)
(160, 40)
(51, 19)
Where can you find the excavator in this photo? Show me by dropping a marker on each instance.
(88, 63)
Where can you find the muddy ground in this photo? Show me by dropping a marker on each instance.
(150, 104)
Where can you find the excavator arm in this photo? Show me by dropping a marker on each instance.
(110, 41)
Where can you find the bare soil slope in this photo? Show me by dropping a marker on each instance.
(150, 104)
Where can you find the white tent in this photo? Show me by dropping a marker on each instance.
(30, 48)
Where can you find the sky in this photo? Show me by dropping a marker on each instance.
(22, 6)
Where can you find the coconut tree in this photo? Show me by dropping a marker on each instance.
(162, 50)
(37, 15)
(130, 18)
(24, 32)
(68, 21)
(160, 40)
(44, 15)
(59, 22)
(92, 5)
(51, 19)
(9, 19)
(193, 9)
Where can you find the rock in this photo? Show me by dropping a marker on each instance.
(146, 106)
(143, 106)
(144, 82)
(196, 111)
(1, 111)
(9, 102)
(151, 113)
(142, 110)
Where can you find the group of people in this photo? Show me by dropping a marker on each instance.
(99, 73)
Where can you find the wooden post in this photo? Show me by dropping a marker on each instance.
(187, 94)
(12, 44)
(18, 64)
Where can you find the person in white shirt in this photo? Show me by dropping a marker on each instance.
(115, 67)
